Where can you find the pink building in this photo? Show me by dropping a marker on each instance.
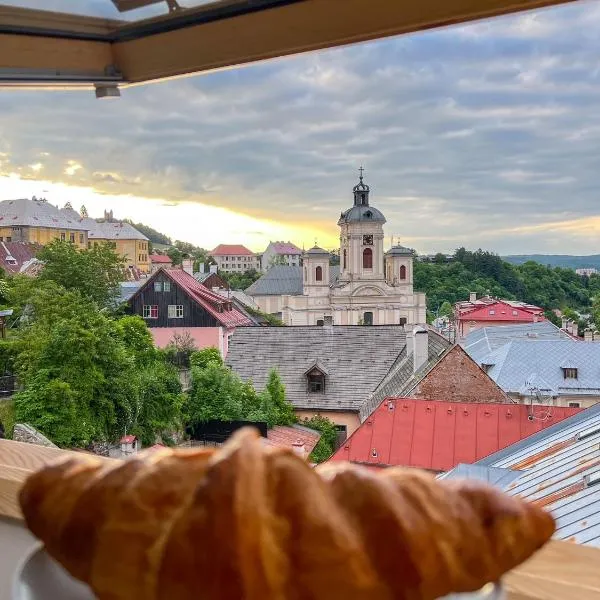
(487, 311)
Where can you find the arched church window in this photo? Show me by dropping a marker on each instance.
(319, 273)
(402, 272)
(344, 264)
(367, 258)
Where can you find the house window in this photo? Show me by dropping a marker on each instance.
(81, 238)
(367, 258)
(344, 265)
(63, 237)
(569, 373)
(515, 313)
(167, 286)
(574, 404)
(72, 238)
(316, 382)
(175, 311)
(150, 311)
(368, 318)
(158, 286)
(492, 312)
(402, 272)
(319, 274)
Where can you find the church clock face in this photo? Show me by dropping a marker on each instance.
(367, 240)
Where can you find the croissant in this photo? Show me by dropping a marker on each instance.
(253, 522)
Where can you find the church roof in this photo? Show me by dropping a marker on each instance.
(361, 214)
(316, 250)
(284, 280)
(400, 251)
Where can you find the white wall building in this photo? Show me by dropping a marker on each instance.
(281, 253)
(372, 287)
(235, 258)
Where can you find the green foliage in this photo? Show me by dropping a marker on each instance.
(284, 411)
(176, 255)
(7, 417)
(202, 358)
(486, 273)
(326, 445)
(278, 259)
(272, 320)
(84, 375)
(153, 235)
(95, 273)
(446, 309)
(240, 281)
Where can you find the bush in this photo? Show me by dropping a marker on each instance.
(326, 445)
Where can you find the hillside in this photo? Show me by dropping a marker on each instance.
(484, 272)
(565, 261)
(156, 237)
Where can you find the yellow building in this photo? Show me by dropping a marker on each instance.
(39, 222)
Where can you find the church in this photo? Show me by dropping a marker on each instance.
(369, 287)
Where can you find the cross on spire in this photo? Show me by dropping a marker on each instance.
(361, 170)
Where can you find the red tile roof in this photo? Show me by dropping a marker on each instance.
(503, 310)
(300, 438)
(216, 305)
(440, 435)
(160, 259)
(128, 439)
(20, 251)
(230, 249)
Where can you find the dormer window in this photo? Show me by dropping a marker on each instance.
(569, 373)
(316, 381)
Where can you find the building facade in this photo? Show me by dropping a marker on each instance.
(235, 258)
(372, 287)
(281, 253)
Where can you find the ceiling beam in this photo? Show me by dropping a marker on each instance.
(291, 28)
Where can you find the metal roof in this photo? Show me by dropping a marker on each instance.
(438, 435)
(481, 342)
(356, 360)
(112, 230)
(554, 469)
(367, 214)
(518, 364)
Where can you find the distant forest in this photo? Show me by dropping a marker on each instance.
(156, 237)
(487, 273)
(565, 261)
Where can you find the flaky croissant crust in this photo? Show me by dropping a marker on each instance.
(252, 522)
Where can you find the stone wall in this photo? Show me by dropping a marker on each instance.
(26, 433)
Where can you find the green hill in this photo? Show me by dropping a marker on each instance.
(566, 261)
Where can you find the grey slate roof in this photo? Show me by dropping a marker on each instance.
(399, 250)
(356, 358)
(38, 213)
(564, 472)
(361, 213)
(401, 378)
(283, 280)
(108, 230)
(519, 362)
(481, 342)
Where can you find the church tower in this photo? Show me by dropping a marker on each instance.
(361, 238)
(315, 272)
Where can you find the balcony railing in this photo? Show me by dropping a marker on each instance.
(561, 571)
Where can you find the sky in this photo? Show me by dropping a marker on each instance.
(485, 135)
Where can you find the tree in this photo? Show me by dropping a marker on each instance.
(95, 273)
(241, 281)
(446, 309)
(327, 443)
(282, 408)
(202, 358)
(176, 255)
(152, 235)
(278, 259)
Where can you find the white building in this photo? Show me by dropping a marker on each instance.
(370, 286)
(281, 253)
(235, 258)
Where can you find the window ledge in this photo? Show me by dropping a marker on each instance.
(561, 570)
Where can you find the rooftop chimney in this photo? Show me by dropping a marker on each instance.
(213, 269)
(187, 264)
(420, 347)
(564, 323)
(472, 296)
(588, 335)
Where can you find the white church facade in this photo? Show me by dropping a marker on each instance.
(370, 286)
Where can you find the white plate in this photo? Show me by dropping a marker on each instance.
(41, 578)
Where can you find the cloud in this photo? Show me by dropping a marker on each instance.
(466, 133)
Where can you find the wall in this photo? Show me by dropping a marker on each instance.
(563, 401)
(246, 263)
(43, 235)
(134, 251)
(269, 304)
(349, 419)
(468, 325)
(457, 378)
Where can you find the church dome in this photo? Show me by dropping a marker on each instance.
(367, 214)
(316, 251)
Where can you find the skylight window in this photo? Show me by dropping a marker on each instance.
(586, 433)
